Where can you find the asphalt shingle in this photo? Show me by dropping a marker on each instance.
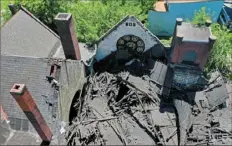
(32, 72)
(25, 35)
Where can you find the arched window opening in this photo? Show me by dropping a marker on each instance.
(73, 110)
(131, 43)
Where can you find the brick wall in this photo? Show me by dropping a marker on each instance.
(3, 114)
(201, 50)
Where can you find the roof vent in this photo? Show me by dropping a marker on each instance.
(63, 16)
(12, 9)
(208, 23)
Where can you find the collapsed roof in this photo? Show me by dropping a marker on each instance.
(127, 47)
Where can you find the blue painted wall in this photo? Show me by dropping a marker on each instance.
(163, 23)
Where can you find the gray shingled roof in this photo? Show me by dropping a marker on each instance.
(193, 33)
(32, 72)
(159, 72)
(25, 35)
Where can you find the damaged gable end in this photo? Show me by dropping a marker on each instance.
(129, 33)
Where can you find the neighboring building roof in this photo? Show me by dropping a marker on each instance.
(32, 72)
(159, 72)
(25, 35)
(162, 75)
(87, 53)
(193, 33)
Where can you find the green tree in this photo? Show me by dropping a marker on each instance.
(93, 19)
(45, 10)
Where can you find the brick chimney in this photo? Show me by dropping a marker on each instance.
(191, 44)
(3, 114)
(12, 9)
(29, 107)
(65, 26)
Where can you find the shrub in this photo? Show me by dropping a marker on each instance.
(221, 55)
(201, 16)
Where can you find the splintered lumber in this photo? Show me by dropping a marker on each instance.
(133, 86)
(120, 135)
(125, 97)
(171, 135)
(95, 120)
(104, 100)
(150, 120)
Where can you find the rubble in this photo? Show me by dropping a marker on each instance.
(120, 109)
(216, 93)
(184, 119)
(213, 128)
(212, 123)
(141, 94)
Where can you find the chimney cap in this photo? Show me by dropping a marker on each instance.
(17, 89)
(179, 21)
(208, 23)
(12, 8)
(180, 35)
(212, 38)
(11, 4)
(63, 16)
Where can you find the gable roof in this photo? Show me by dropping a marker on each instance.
(25, 35)
(121, 22)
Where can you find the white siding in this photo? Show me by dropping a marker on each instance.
(108, 44)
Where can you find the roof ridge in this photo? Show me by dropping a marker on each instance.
(36, 58)
(40, 22)
(122, 21)
(146, 29)
(115, 26)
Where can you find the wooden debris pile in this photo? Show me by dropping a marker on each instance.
(112, 110)
(211, 128)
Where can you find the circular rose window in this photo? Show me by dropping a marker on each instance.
(131, 43)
